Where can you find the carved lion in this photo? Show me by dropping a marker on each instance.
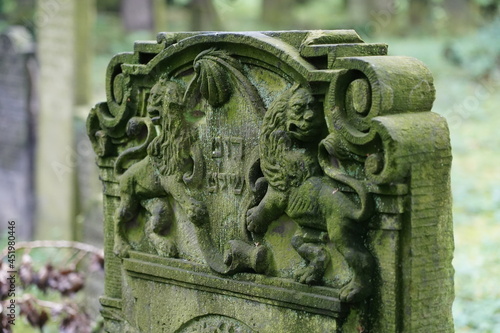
(298, 188)
(159, 175)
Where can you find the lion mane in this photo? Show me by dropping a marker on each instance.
(170, 149)
(283, 162)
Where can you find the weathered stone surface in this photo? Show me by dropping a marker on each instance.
(273, 182)
(17, 123)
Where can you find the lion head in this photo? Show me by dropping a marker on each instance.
(170, 148)
(290, 121)
(163, 95)
(302, 120)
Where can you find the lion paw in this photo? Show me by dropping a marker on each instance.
(255, 223)
(123, 214)
(309, 275)
(120, 247)
(197, 212)
(166, 248)
(353, 292)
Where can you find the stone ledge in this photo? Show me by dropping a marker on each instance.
(259, 288)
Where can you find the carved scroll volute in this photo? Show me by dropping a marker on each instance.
(109, 120)
(98, 138)
(368, 106)
(120, 104)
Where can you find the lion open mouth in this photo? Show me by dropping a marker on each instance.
(154, 114)
(293, 128)
(299, 131)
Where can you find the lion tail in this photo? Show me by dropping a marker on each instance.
(328, 164)
(135, 128)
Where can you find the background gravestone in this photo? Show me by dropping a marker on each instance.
(17, 129)
(273, 182)
(64, 54)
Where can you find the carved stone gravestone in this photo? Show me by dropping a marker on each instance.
(17, 135)
(290, 181)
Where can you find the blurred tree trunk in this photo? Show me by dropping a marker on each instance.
(459, 13)
(458, 7)
(144, 15)
(372, 17)
(159, 16)
(204, 16)
(277, 13)
(358, 11)
(137, 15)
(62, 52)
(86, 11)
(420, 12)
(384, 13)
(382, 5)
(362, 11)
